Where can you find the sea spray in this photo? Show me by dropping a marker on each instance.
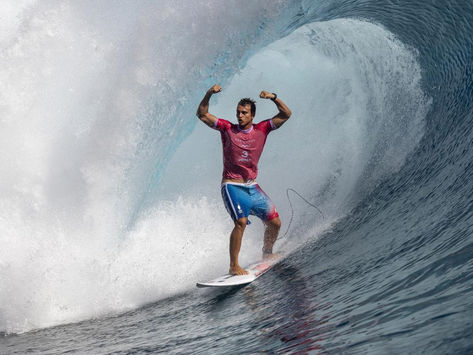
(93, 97)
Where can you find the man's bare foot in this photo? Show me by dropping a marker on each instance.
(271, 256)
(237, 270)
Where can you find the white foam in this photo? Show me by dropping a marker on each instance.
(92, 96)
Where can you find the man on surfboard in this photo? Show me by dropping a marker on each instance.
(243, 144)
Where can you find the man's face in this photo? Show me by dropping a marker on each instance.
(244, 116)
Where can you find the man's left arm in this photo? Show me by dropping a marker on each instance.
(284, 112)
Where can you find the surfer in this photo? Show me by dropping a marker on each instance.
(242, 147)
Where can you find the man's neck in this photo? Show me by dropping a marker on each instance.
(246, 128)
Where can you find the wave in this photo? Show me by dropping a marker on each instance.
(108, 201)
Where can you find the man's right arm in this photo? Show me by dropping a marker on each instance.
(203, 109)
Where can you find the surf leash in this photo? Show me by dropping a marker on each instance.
(292, 208)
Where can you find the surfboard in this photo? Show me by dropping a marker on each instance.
(255, 270)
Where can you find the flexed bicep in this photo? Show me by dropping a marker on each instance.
(203, 109)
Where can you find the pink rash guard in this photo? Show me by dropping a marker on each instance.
(242, 148)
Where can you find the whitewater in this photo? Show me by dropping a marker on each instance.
(110, 205)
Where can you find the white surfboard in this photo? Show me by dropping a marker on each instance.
(254, 271)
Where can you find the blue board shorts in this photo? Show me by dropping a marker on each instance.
(241, 200)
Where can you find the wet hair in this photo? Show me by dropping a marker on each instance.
(247, 101)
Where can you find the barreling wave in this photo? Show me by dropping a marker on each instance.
(109, 194)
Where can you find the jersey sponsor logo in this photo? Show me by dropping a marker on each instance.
(244, 143)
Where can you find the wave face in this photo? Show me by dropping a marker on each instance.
(109, 198)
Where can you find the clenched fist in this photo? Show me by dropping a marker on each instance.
(266, 95)
(214, 89)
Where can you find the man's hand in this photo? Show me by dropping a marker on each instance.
(266, 95)
(214, 89)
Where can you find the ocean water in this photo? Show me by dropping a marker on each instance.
(109, 195)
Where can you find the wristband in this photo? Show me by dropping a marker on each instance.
(275, 97)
